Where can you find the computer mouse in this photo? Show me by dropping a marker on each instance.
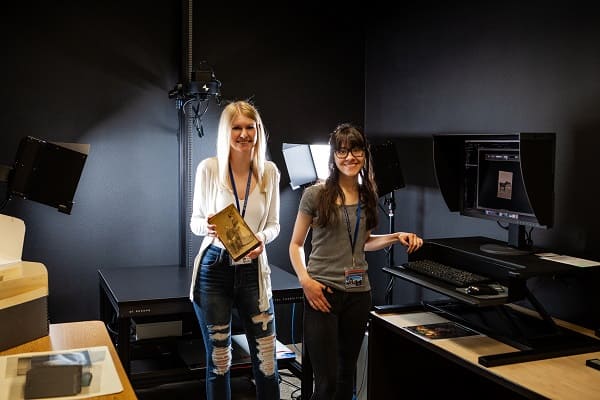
(472, 290)
(480, 290)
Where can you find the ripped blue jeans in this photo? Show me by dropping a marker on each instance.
(218, 288)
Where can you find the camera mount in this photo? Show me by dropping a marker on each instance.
(202, 86)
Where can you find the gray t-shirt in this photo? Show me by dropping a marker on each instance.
(331, 251)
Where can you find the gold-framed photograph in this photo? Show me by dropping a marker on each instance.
(440, 330)
(234, 232)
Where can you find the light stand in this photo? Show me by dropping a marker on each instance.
(390, 201)
(389, 178)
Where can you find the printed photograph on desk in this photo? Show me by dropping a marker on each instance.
(73, 374)
(233, 232)
(441, 330)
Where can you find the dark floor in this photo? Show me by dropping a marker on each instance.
(242, 388)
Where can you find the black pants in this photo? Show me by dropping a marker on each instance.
(333, 341)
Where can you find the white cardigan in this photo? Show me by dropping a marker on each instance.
(207, 191)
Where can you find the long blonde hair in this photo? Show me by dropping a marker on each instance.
(228, 114)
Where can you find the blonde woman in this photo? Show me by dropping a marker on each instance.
(239, 174)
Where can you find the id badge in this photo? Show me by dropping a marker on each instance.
(354, 278)
(243, 260)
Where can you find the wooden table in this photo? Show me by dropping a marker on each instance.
(449, 368)
(75, 335)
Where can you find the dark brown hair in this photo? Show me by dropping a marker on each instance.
(349, 136)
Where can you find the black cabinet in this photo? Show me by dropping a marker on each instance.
(156, 298)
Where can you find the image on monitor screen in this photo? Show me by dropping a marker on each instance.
(494, 188)
(501, 195)
(500, 188)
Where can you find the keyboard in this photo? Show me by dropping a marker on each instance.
(453, 276)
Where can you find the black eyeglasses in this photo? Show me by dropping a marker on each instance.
(356, 152)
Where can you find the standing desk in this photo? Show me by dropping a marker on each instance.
(149, 291)
(519, 353)
(75, 335)
(401, 362)
(489, 313)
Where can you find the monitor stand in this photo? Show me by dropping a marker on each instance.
(517, 243)
(537, 337)
(498, 249)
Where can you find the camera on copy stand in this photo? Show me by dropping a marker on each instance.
(201, 86)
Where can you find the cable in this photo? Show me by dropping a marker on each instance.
(502, 226)
(197, 115)
(5, 201)
(295, 395)
(185, 104)
(528, 238)
(289, 383)
(389, 290)
(360, 386)
(388, 255)
(293, 322)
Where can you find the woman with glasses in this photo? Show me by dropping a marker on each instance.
(341, 212)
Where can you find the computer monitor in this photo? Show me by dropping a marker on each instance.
(47, 172)
(506, 178)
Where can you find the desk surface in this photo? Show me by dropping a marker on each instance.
(524, 266)
(164, 290)
(75, 335)
(170, 282)
(555, 378)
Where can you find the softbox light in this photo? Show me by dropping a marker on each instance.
(386, 167)
(306, 163)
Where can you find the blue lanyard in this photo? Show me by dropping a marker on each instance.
(237, 201)
(352, 242)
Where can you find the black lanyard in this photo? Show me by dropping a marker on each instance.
(237, 201)
(352, 242)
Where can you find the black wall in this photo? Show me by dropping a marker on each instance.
(95, 73)
(99, 73)
(304, 71)
(496, 69)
